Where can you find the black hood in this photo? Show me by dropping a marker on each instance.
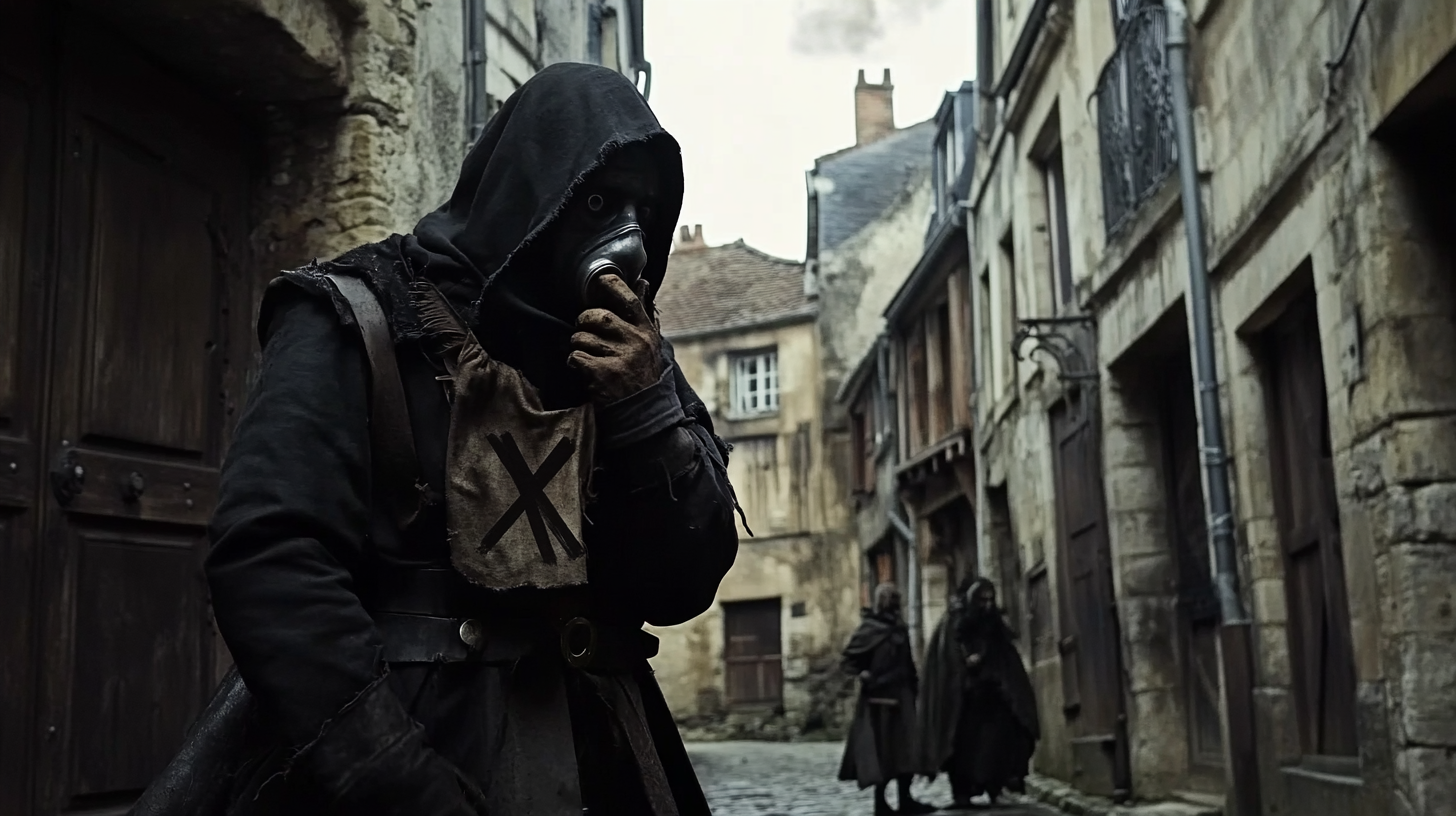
(478, 248)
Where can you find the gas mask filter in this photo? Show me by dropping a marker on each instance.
(619, 250)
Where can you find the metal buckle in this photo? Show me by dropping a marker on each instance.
(472, 635)
(579, 642)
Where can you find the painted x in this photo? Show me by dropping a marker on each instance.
(533, 501)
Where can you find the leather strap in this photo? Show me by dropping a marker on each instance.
(410, 638)
(395, 466)
(430, 639)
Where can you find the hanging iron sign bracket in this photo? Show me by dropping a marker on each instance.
(1064, 339)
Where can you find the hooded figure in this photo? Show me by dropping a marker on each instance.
(881, 745)
(978, 715)
(434, 600)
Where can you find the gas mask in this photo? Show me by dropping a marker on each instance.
(617, 249)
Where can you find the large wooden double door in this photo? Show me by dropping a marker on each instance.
(124, 305)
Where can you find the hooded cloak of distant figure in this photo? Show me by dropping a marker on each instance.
(942, 687)
(979, 709)
(390, 666)
(881, 745)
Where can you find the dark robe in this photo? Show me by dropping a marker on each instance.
(985, 740)
(942, 684)
(881, 744)
(303, 542)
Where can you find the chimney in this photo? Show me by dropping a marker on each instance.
(690, 239)
(874, 110)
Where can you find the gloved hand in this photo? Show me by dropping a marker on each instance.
(372, 758)
(617, 349)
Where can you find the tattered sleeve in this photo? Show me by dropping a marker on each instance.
(289, 536)
(292, 521)
(663, 532)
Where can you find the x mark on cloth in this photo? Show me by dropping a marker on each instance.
(533, 501)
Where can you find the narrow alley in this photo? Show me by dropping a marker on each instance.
(801, 779)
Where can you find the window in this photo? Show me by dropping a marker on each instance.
(862, 426)
(944, 411)
(984, 346)
(919, 389)
(1134, 120)
(1003, 318)
(753, 653)
(755, 384)
(1057, 233)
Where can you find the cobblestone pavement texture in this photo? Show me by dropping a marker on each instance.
(802, 779)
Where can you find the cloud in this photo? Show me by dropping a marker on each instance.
(837, 27)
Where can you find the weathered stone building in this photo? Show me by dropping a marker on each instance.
(743, 329)
(159, 161)
(868, 209)
(1323, 130)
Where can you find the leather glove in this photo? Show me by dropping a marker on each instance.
(372, 758)
(616, 349)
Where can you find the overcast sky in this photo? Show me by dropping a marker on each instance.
(755, 90)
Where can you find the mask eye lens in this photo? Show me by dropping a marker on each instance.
(595, 203)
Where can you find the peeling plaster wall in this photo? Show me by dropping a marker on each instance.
(800, 552)
(859, 277)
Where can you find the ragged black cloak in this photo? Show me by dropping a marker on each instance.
(980, 724)
(881, 744)
(302, 537)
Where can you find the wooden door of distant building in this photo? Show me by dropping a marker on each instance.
(1309, 530)
(1197, 602)
(1091, 655)
(754, 652)
(137, 341)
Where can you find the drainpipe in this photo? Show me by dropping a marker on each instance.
(476, 100)
(1235, 639)
(912, 572)
(978, 462)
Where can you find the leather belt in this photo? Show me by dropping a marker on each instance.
(499, 636)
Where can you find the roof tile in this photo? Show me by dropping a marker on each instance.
(729, 287)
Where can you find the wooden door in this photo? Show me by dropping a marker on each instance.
(1091, 656)
(1309, 530)
(150, 306)
(25, 189)
(1188, 528)
(754, 659)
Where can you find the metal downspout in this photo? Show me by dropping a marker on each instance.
(912, 576)
(1235, 630)
(978, 462)
(476, 99)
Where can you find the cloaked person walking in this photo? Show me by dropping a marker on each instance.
(881, 746)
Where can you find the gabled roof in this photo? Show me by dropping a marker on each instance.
(857, 184)
(734, 286)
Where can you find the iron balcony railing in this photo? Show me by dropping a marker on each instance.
(1134, 113)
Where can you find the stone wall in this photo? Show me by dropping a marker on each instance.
(1310, 183)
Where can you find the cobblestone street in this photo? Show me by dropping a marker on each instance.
(800, 779)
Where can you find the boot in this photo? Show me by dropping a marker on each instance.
(907, 802)
(882, 807)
